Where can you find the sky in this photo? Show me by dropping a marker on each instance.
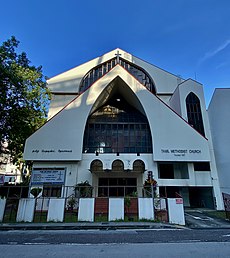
(190, 38)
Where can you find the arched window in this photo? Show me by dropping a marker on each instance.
(138, 166)
(96, 166)
(117, 127)
(194, 112)
(118, 166)
(97, 72)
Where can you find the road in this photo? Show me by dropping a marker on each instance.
(112, 236)
(206, 237)
(116, 243)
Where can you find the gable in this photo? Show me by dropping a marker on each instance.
(61, 138)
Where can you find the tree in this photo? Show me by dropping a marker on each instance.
(24, 99)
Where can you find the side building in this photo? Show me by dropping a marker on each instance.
(116, 119)
(219, 117)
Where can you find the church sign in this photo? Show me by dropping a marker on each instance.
(48, 175)
(180, 152)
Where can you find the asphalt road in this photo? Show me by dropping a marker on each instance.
(204, 236)
(189, 243)
(50, 237)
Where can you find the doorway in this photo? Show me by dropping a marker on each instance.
(116, 187)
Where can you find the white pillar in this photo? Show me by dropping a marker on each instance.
(86, 209)
(56, 210)
(176, 211)
(26, 209)
(116, 209)
(145, 208)
(2, 208)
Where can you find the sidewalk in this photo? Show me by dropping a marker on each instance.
(88, 226)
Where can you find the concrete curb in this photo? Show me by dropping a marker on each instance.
(86, 226)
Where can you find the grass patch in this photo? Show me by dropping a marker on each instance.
(10, 216)
(217, 214)
(100, 218)
(40, 217)
(70, 217)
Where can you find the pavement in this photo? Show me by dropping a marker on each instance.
(87, 226)
(195, 219)
(203, 219)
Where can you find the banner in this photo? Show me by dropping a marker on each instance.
(48, 176)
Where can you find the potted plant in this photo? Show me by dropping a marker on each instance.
(35, 192)
(83, 189)
(71, 202)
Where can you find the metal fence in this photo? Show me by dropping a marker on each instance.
(72, 195)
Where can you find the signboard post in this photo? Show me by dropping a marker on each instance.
(2, 179)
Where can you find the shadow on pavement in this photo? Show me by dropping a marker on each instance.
(204, 218)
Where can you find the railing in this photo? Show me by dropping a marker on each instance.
(72, 195)
(12, 192)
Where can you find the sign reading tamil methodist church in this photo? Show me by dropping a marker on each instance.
(180, 152)
(48, 175)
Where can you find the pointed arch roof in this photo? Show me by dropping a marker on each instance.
(61, 138)
(69, 81)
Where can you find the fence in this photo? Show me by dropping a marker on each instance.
(72, 204)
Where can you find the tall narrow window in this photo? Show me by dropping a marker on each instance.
(194, 113)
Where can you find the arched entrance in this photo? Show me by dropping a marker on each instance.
(117, 182)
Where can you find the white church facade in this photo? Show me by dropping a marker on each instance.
(116, 119)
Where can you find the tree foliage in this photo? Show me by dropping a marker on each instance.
(24, 98)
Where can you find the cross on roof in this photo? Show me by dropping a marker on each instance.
(117, 55)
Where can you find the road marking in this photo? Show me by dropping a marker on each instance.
(36, 244)
(226, 235)
(12, 243)
(199, 218)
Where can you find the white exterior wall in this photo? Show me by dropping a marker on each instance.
(171, 134)
(168, 130)
(69, 81)
(204, 178)
(219, 117)
(58, 102)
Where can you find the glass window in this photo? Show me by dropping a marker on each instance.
(100, 70)
(201, 166)
(194, 113)
(51, 191)
(110, 130)
(166, 170)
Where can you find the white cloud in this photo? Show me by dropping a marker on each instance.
(214, 52)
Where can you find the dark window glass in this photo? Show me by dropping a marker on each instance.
(51, 191)
(201, 166)
(109, 130)
(166, 171)
(194, 113)
(102, 69)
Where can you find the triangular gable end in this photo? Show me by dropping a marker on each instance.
(62, 137)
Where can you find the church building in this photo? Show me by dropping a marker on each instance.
(117, 119)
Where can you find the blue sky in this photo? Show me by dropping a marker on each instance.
(187, 38)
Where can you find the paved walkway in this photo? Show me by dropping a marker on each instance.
(203, 219)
